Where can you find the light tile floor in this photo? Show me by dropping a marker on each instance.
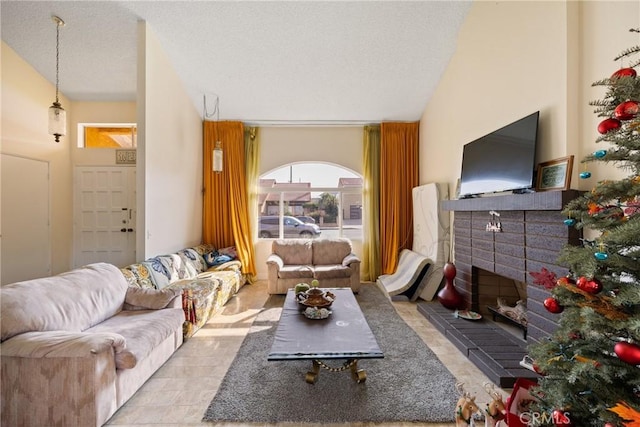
(178, 395)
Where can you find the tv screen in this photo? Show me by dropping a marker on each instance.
(503, 160)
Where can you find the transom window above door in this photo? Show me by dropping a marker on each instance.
(107, 135)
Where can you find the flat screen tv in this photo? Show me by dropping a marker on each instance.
(503, 160)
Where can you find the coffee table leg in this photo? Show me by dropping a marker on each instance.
(359, 375)
(312, 376)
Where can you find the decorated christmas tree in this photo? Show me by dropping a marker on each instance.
(591, 365)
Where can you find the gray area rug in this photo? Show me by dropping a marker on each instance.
(410, 384)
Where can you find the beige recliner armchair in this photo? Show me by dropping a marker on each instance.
(330, 261)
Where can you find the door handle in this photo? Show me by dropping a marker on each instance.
(123, 230)
(129, 230)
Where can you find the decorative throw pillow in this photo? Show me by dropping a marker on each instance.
(192, 261)
(215, 258)
(158, 273)
(137, 275)
(149, 299)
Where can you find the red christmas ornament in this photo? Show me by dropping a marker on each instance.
(627, 110)
(607, 125)
(624, 72)
(628, 352)
(561, 418)
(592, 286)
(552, 305)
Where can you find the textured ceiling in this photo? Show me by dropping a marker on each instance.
(300, 61)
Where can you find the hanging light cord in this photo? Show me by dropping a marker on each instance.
(57, 57)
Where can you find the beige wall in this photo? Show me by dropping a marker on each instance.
(26, 97)
(341, 146)
(169, 171)
(514, 58)
(510, 62)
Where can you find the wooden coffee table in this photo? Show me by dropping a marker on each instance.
(345, 334)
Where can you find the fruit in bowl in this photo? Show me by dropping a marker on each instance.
(301, 287)
(315, 283)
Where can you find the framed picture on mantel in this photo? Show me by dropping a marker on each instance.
(554, 174)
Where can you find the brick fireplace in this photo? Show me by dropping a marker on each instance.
(498, 239)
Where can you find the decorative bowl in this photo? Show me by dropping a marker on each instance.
(315, 297)
(316, 313)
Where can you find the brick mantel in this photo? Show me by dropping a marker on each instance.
(533, 233)
(542, 201)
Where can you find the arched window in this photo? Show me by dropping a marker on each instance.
(310, 200)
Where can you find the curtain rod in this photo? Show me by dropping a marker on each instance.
(309, 123)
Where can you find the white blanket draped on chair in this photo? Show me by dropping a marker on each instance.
(430, 249)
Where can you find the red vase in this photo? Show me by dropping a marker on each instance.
(449, 296)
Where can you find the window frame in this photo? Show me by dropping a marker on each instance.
(80, 143)
(338, 192)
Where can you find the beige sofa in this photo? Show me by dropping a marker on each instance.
(76, 346)
(330, 261)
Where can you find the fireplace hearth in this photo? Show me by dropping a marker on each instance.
(496, 239)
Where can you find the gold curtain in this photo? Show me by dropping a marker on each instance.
(398, 176)
(371, 171)
(225, 217)
(252, 153)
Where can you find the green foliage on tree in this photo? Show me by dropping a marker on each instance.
(329, 204)
(591, 365)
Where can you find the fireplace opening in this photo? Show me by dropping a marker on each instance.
(502, 299)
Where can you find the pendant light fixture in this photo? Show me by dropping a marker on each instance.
(217, 157)
(216, 160)
(57, 115)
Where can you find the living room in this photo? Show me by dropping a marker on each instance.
(511, 58)
(550, 72)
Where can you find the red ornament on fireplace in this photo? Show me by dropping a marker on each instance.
(449, 296)
(552, 305)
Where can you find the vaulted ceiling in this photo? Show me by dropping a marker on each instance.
(279, 62)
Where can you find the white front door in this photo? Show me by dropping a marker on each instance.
(105, 215)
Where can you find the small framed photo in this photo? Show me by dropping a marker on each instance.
(555, 174)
